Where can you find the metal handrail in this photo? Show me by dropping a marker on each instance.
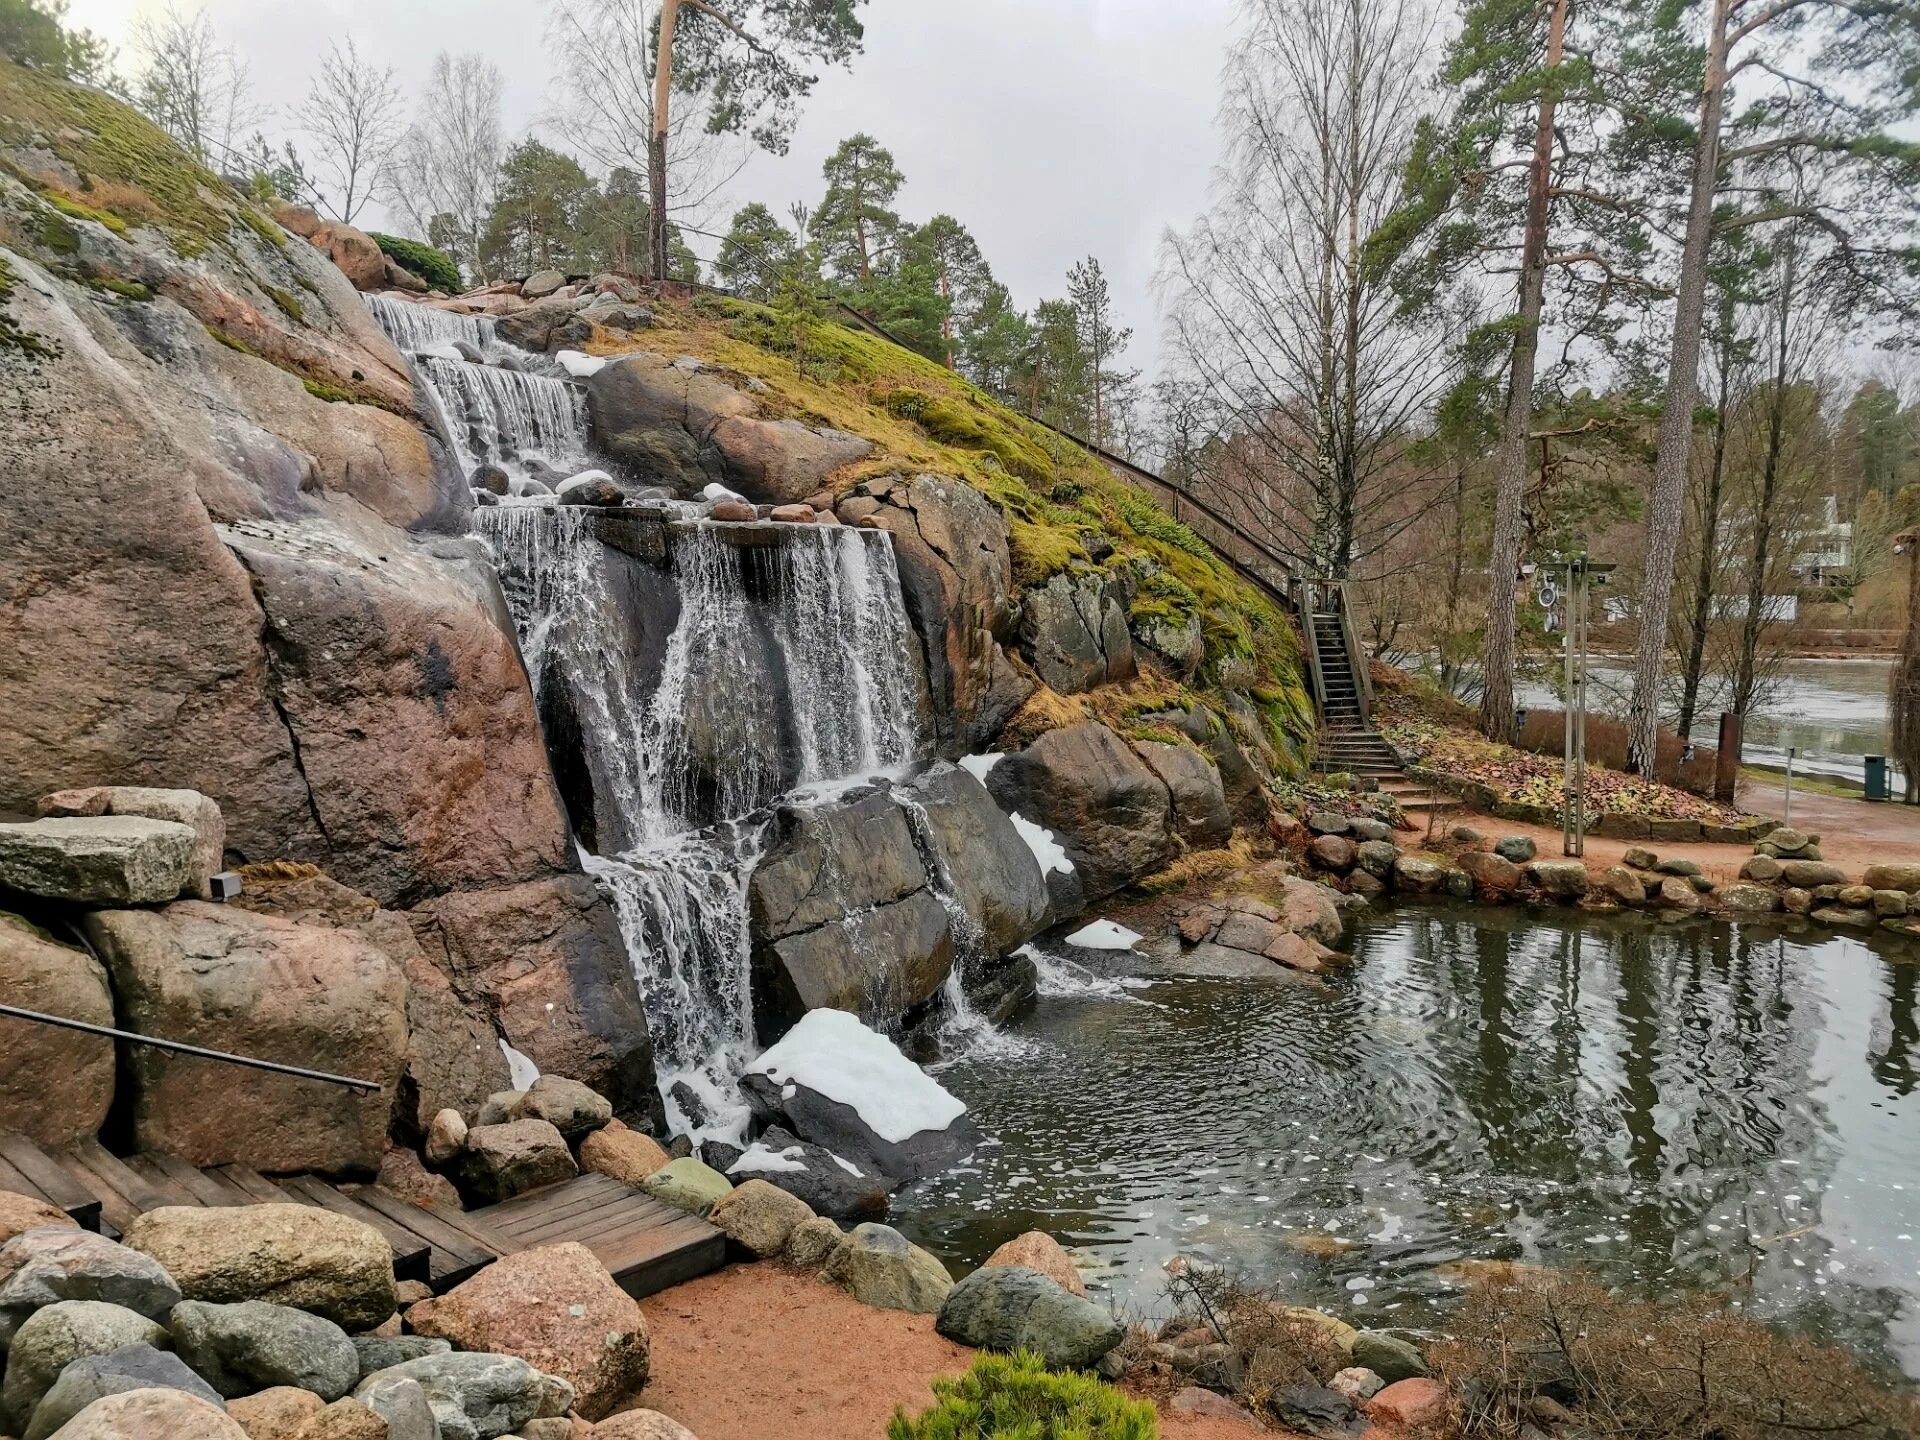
(199, 1051)
(1356, 658)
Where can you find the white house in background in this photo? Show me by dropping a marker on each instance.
(1824, 556)
(1774, 609)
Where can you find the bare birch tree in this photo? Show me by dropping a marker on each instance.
(192, 84)
(354, 117)
(1276, 308)
(443, 177)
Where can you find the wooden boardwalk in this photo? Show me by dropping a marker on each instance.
(645, 1245)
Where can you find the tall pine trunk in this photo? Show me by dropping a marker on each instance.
(1667, 502)
(657, 142)
(1497, 720)
(1702, 612)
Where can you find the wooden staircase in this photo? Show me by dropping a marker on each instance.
(645, 1245)
(1337, 665)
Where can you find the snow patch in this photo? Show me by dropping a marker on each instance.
(585, 477)
(1103, 935)
(759, 1158)
(579, 364)
(833, 1054)
(848, 1166)
(1051, 855)
(980, 766)
(445, 350)
(717, 491)
(521, 1071)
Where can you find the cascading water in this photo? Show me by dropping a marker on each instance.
(523, 423)
(687, 753)
(533, 427)
(423, 330)
(787, 666)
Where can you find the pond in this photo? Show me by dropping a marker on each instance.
(1695, 1106)
(1833, 711)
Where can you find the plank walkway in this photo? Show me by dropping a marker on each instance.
(644, 1244)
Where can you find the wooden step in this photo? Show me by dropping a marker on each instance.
(28, 1170)
(645, 1245)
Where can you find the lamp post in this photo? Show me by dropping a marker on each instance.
(1578, 574)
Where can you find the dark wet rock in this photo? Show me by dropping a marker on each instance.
(1075, 629)
(829, 1187)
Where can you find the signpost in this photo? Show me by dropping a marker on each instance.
(1570, 579)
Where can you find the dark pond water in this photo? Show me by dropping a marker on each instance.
(1705, 1106)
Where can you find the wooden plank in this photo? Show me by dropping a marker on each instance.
(453, 1254)
(641, 1273)
(231, 1195)
(172, 1190)
(410, 1259)
(622, 1216)
(582, 1190)
(559, 1204)
(252, 1182)
(118, 1207)
(56, 1186)
(203, 1187)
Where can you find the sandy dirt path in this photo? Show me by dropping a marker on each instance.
(756, 1352)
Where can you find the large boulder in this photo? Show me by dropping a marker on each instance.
(298, 1255)
(1009, 1307)
(19, 1213)
(91, 1379)
(657, 419)
(976, 849)
(758, 1217)
(241, 1348)
(44, 1267)
(1109, 811)
(956, 575)
(1194, 788)
(454, 1060)
(56, 1085)
(842, 917)
(1905, 877)
(546, 960)
(555, 1307)
(508, 1159)
(837, 1084)
(182, 807)
(97, 859)
(825, 1183)
(237, 462)
(52, 1337)
(688, 1184)
(1037, 1250)
(878, 1267)
(779, 462)
(622, 1154)
(227, 979)
(152, 1414)
(276, 1413)
(1243, 765)
(1309, 909)
(1809, 874)
(570, 1107)
(1075, 629)
(357, 254)
(474, 1395)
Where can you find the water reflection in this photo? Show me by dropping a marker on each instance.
(1705, 1106)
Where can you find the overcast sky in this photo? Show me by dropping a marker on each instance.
(1053, 129)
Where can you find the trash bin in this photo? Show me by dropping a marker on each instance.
(1876, 777)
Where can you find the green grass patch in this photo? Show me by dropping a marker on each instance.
(289, 305)
(320, 390)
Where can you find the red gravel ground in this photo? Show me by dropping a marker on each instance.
(755, 1352)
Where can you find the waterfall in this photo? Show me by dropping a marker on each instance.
(785, 665)
(687, 753)
(508, 418)
(417, 329)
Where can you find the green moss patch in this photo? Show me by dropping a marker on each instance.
(13, 336)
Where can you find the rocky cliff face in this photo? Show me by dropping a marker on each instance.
(238, 557)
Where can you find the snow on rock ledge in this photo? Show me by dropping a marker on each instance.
(835, 1083)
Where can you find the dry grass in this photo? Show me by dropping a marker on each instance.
(1565, 1349)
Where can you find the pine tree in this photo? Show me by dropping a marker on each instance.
(543, 205)
(747, 59)
(758, 248)
(1100, 340)
(995, 344)
(961, 277)
(855, 225)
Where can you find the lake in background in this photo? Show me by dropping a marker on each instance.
(1671, 1106)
